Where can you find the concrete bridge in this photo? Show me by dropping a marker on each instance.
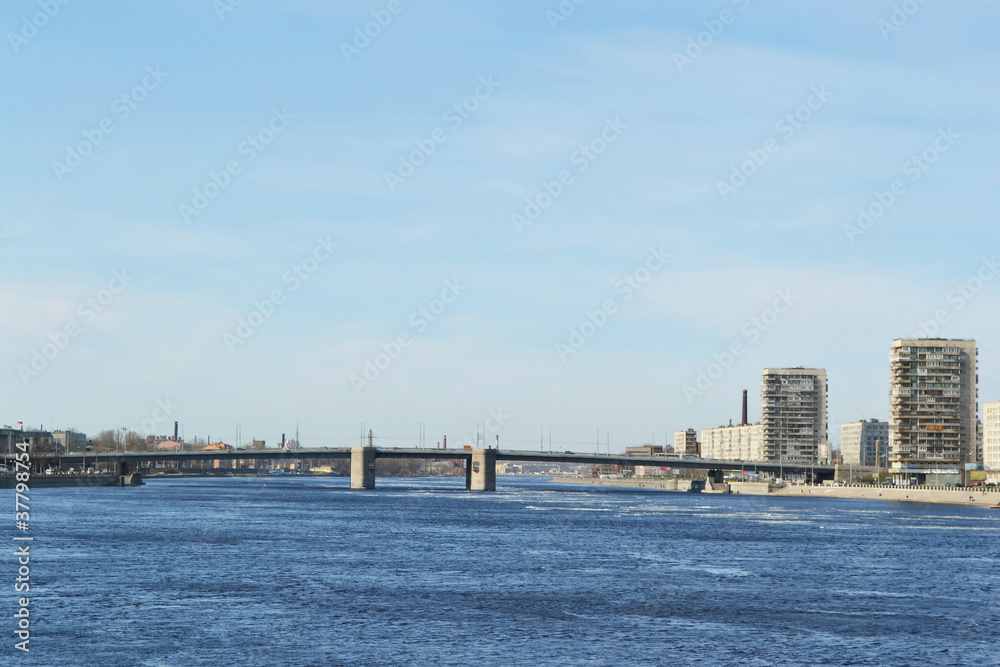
(480, 464)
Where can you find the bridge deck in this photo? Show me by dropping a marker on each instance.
(430, 454)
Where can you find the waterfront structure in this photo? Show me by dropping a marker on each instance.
(991, 441)
(733, 443)
(686, 442)
(933, 405)
(865, 443)
(793, 414)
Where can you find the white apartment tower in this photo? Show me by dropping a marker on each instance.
(793, 414)
(991, 441)
(933, 407)
(865, 443)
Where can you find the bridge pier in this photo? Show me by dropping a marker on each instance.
(127, 475)
(362, 467)
(481, 474)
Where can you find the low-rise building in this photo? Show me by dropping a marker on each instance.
(37, 440)
(70, 441)
(991, 441)
(686, 442)
(733, 443)
(645, 450)
(651, 471)
(865, 443)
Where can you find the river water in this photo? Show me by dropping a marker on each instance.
(303, 571)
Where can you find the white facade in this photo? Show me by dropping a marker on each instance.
(865, 443)
(686, 442)
(733, 443)
(793, 414)
(933, 409)
(991, 437)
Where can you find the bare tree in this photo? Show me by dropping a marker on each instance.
(135, 441)
(106, 441)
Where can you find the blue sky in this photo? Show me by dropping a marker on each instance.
(681, 128)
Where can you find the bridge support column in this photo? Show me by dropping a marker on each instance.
(362, 467)
(482, 470)
(127, 474)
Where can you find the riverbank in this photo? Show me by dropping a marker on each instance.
(941, 495)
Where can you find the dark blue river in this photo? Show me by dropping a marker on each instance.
(303, 571)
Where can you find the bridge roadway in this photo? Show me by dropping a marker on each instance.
(480, 463)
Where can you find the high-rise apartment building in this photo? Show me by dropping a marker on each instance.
(991, 441)
(932, 409)
(865, 443)
(793, 414)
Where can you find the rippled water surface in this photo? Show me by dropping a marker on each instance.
(303, 571)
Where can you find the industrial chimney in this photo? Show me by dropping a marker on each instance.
(744, 422)
(175, 431)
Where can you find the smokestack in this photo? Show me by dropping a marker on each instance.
(175, 431)
(445, 440)
(744, 422)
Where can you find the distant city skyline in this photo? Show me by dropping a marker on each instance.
(608, 220)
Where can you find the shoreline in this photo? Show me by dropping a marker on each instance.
(943, 496)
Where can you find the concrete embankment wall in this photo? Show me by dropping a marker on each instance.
(948, 496)
(939, 495)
